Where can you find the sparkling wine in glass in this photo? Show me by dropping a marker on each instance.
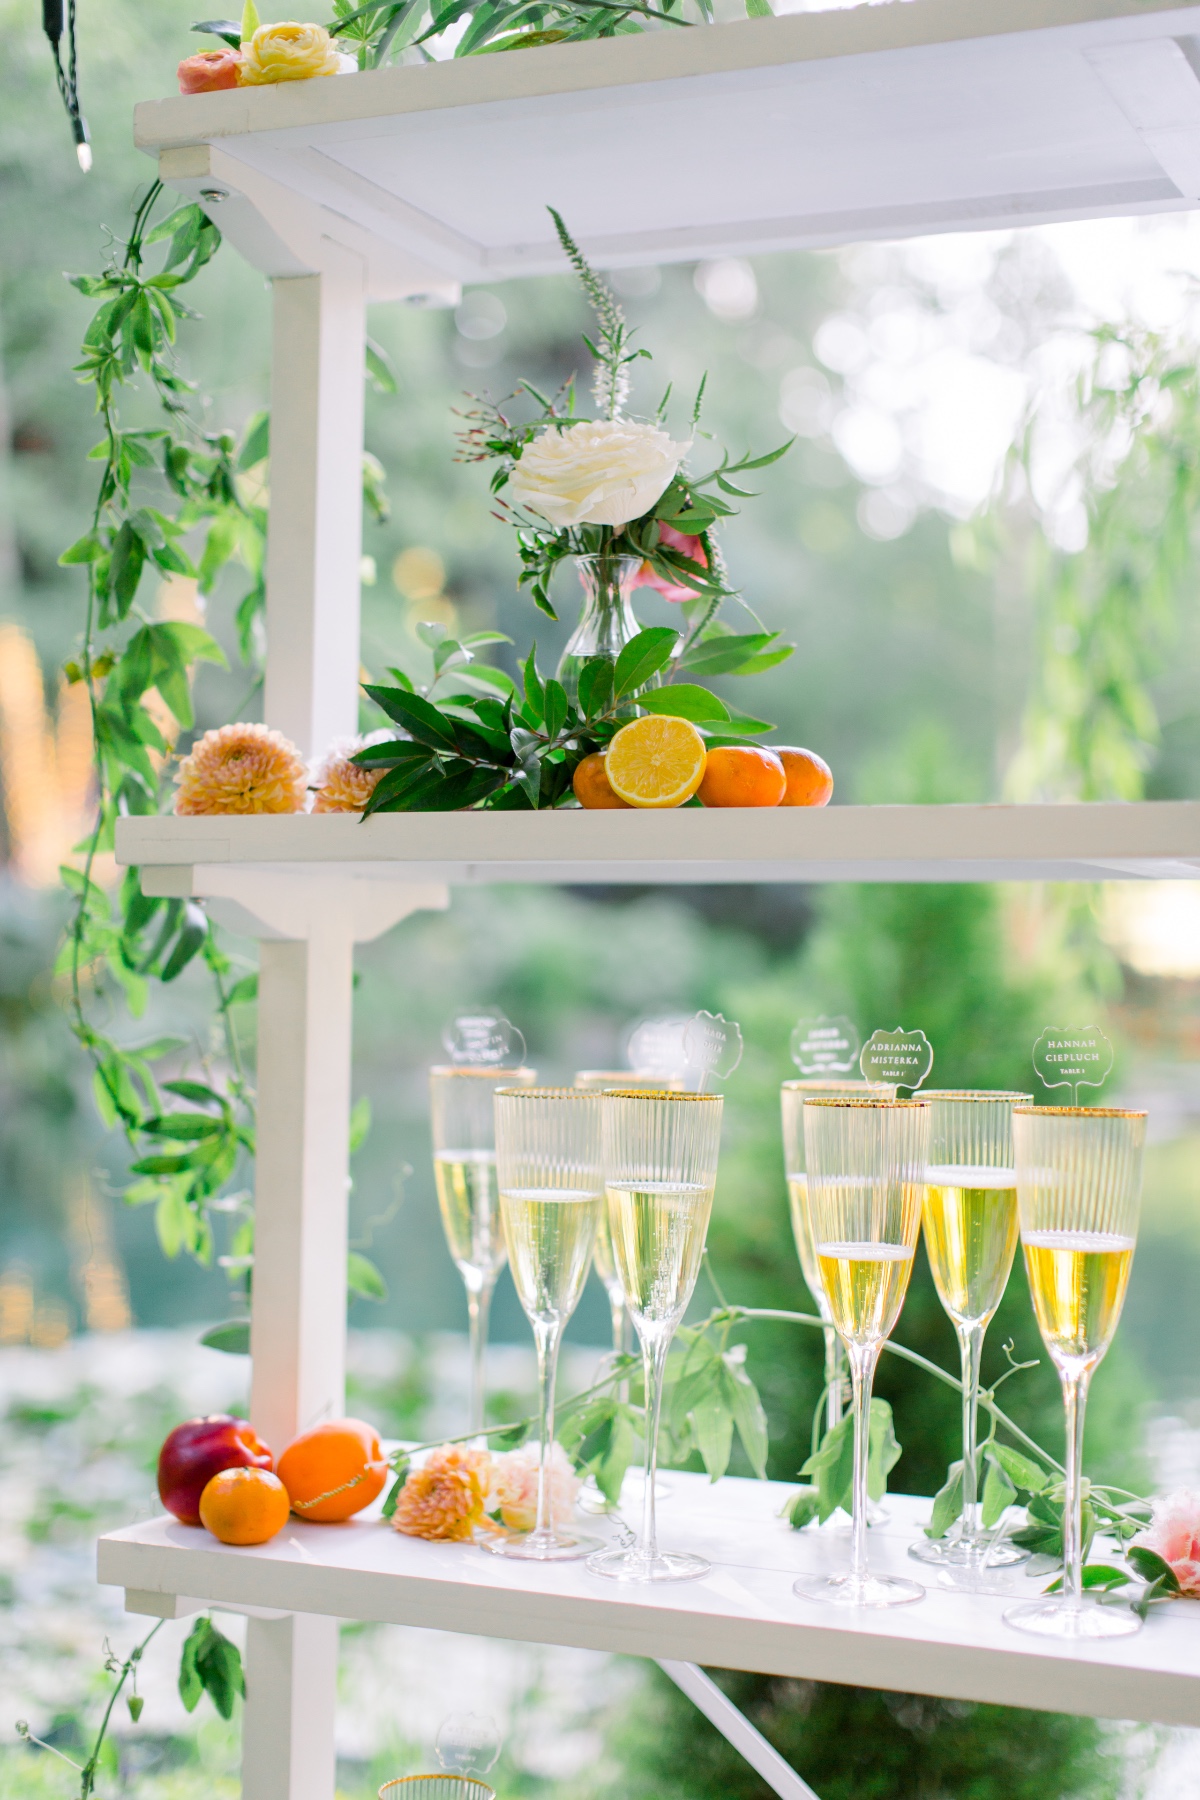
(793, 1094)
(464, 1168)
(550, 1176)
(1079, 1189)
(866, 1168)
(970, 1219)
(660, 1168)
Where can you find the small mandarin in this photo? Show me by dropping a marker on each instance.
(334, 1470)
(656, 761)
(742, 775)
(593, 789)
(244, 1506)
(809, 777)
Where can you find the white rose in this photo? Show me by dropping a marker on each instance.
(599, 472)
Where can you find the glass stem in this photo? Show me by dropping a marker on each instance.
(970, 1343)
(1075, 1389)
(479, 1302)
(863, 1358)
(547, 1338)
(654, 1361)
(833, 1378)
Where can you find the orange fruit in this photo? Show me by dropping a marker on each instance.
(656, 761)
(809, 777)
(743, 775)
(334, 1470)
(593, 789)
(244, 1506)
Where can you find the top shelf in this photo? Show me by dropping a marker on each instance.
(768, 134)
(1154, 840)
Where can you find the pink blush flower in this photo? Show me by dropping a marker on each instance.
(1174, 1534)
(514, 1487)
(691, 547)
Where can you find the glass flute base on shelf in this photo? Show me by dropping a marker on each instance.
(851, 1589)
(974, 1556)
(639, 1565)
(562, 1545)
(1084, 1622)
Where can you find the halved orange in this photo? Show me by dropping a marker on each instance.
(656, 761)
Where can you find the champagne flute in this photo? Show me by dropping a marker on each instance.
(866, 1167)
(464, 1168)
(549, 1170)
(1079, 1189)
(970, 1219)
(792, 1096)
(660, 1169)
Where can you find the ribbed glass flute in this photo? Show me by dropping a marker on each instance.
(660, 1169)
(970, 1218)
(464, 1168)
(792, 1096)
(866, 1170)
(549, 1167)
(436, 1787)
(1079, 1189)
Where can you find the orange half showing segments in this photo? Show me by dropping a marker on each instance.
(656, 761)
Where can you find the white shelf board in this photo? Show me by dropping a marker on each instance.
(744, 1615)
(1097, 842)
(817, 128)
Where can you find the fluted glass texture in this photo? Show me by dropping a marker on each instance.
(550, 1175)
(436, 1787)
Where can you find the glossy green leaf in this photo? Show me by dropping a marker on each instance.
(363, 1278)
(683, 700)
(232, 1338)
(642, 658)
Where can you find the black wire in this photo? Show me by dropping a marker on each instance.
(67, 79)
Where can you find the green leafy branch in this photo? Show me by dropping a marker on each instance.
(384, 29)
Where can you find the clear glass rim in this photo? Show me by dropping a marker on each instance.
(1081, 1112)
(869, 1103)
(439, 1775)
(545, 1093)
(981, 1095)
(851, 1086)
(592, 560)
(659, 1094)
(476, 1072)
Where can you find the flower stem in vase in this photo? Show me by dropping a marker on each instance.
(606, 623)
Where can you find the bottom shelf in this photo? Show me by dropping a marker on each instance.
(743, 1615)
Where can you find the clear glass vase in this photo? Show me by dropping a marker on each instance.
(606, 623)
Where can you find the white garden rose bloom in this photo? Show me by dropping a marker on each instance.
(599, 472)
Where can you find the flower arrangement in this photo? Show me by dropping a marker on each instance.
(258, 55)
(455, 1492)
(616, 494)
(242, 769)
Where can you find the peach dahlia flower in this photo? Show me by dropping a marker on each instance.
(242, 769)
(444, 1498)
(209, 71)
(343, 785)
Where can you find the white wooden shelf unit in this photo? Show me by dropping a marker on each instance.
(401, 185)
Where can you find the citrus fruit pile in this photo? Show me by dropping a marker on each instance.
(217, 1473)
(659, 761)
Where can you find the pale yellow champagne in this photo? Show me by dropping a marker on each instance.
(971, 1226)
(1078, 1281)
(658, 1231)
(470, 1206)
(602, 1256)
(806, 1243)
(865, 1285)
(550, 1233)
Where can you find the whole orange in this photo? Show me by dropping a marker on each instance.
(742, 775)
(592, 787)
(809, 777)
(334, 1470)
(244, 1506)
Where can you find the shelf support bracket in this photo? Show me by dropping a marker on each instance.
(737, 1730)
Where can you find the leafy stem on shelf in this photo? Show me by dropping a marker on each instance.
(382, 29)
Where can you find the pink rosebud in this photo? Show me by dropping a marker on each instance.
(1174, 1534)
(209, 71)
(691, 547)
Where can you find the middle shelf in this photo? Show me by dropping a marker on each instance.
(743, 1615)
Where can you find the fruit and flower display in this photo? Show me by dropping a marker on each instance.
(625, 720)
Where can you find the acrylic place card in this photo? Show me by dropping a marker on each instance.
(1073, 1056)
(655, 1047)
(825, 1046)
(713, 1045)
(902, 1057)
(484, 1040)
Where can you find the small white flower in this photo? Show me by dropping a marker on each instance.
(599, 472)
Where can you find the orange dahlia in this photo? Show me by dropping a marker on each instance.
(342, 785)
(242, 769)
(445, 1497)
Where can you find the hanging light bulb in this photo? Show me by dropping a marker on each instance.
(68, 87)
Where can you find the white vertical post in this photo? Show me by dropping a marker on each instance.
(314, 546)
(298, 1322)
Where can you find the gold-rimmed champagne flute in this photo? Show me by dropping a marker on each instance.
(549, 1169)
(792, 1096)
(969, 1214)
(1079, 1190)
(866, 1168)
(464, 1169)
(660, 1169)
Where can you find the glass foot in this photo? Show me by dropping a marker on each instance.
(976, 1555)
(1071, 1621)
(858, 1590)
(637, 1565)
(544, 1546)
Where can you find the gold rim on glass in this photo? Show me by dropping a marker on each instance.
(980, 1094)
(467, 1781)
(655, 1094)
(861, 1103)
(544, 1093)
(477, 1072)
(1084, 1112)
